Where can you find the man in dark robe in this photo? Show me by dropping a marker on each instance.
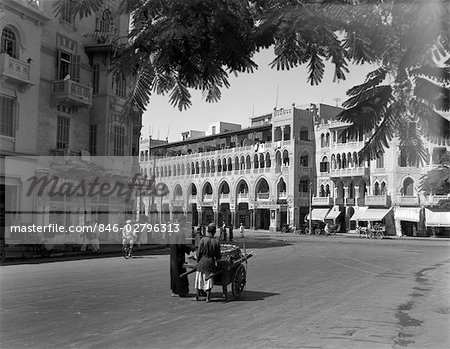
(178, 249)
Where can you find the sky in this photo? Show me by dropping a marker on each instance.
(248, 95)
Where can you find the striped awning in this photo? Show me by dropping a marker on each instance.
(333, 214)
(409, 214)
(437, 218)
(371, 215)
(318, 214)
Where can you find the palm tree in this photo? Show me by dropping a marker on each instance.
(176, 46)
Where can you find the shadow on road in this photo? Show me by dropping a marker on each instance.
(255, 296)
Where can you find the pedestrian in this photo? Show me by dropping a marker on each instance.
(178, 249)
(129, 235)
(241, 230)
(223, 232)
(207, 255)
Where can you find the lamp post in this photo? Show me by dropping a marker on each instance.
(310, 204)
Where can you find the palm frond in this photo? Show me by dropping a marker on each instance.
(411, 142)
(382, 135)
(180, 96)
(435, 125)
(140, 93)
(438, 74)
(83, 8)
(432, 94)
(373, 79)
(366, 113)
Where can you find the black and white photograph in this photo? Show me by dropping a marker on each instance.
(225, 174)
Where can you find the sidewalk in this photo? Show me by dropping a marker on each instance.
(268, 233)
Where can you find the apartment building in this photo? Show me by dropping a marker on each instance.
(58, 101)
(259, 176)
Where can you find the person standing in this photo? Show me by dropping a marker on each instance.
(178, 249)
(207, 255)
(241, 229)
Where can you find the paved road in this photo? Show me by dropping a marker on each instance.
(316, 292)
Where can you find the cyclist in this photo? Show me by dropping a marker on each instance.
(129, 235)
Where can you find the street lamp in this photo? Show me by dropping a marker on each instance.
(310, 204)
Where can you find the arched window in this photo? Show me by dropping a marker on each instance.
(333, 162)
(338, 162)
(230, 164)
(327, 190)
(344, 161)
(304, 160)
(192, 168)
(261, 161)
(383, 188)
(322, 140)
(242, 163)
(208, 168)
(248, 162)
(268, 164)
(322, 191)
(304, 134)
(256, 161)
(105, 22)
(236, 163)
(278, 159)
(408, 187)
(327, 140)
(380, 161)
(376, 189)
(9, 42)
(203, 167)
(213, 168)
(197, 168)
(324, 165)
(219, 165)
(285, 158)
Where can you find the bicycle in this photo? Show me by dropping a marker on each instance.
(127, 250)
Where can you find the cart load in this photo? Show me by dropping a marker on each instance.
(230, 268)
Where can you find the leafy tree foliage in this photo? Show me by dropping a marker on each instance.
(179, 45)
(437, 181)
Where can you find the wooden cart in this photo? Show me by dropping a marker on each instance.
(231, 269)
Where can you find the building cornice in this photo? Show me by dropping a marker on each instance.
(26, 11)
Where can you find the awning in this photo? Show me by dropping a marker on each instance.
(333, 214)
(411, 214)
(357, 215)
(371, 214)
(437, 218)
(318, 214)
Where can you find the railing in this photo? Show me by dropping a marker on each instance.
(224, 196)
(207, 197)
(322, 201)
(192, 197)
(178, 198)
(242, 195)
(282, 195)
(72, 92)
(339, 201)
(262, 196)
(434, 199)
(377, 200)
(346, 172)
(14, 69)
(350, 201)
(409, 200)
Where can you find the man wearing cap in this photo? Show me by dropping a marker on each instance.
(208, 253)
(129, 235)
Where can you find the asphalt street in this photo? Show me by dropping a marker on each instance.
(313, 292)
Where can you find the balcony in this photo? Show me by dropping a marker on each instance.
(15, 71)
(339, 201)
(192, 198)
(72, 93)
(242, 197)
(349, 172)
(350, 201)
(434, 199)
(64, 152)
(378, 200)
(207, 197)
(262, 196)
(322, 201)
(282, 195)
(178, 198)
(409, 200)
(224, 197)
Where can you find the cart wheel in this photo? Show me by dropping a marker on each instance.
(283, 230)
(371, 235)
(239, 280)
(307, 231)
(379, 235)
(317, 231)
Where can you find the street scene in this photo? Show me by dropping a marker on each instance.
(224, 174)
(301, 292)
